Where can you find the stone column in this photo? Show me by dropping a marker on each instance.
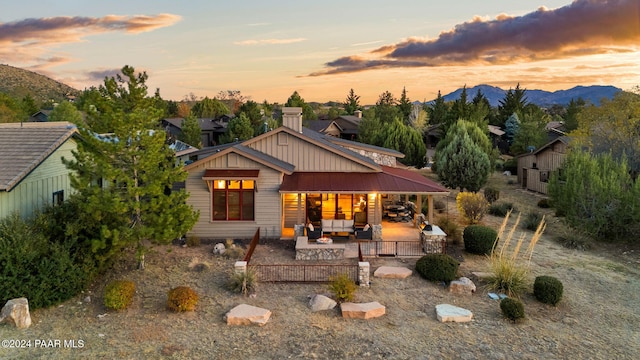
(364, 270)
(298, 230)
(240, 267)
(376, 232)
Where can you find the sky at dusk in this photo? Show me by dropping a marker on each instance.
(269, 49)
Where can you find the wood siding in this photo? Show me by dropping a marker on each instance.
(267, 202)
(304, 155)
(539, 166)
(37, 188)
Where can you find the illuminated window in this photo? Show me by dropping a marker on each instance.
(233, 200)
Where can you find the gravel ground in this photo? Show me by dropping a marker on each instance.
(598, 318)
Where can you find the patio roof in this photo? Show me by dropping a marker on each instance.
(390, 181)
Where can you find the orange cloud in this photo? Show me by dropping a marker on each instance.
(585, 27)
(21, 40)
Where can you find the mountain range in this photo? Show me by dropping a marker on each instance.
(593, 94)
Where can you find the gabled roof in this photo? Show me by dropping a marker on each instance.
(239, 148)
(24, 146)
(563, 139)
(206, 124)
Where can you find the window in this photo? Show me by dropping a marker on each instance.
(233, 200)
(544, 176)
(58, 197)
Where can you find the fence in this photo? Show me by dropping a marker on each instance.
(303, 272)
(399, 248)
(252, 246)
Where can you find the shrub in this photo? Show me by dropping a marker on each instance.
(531, 221)
(574, 239)
(512, 309)
(182, 298)
(472, 206)
(439, 206)
(509, 271)
(451, 228)
(437, 267)
(342, 287)
(491, 194)
(243, 282)
(118, 294)
(544, 203)
(193, 241)
(548, 289)
(500, 209)
(232, 251)
(479, 239)
(37, 264)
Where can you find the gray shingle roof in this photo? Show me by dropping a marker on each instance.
(25, 146)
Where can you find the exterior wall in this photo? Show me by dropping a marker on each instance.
(546, 162)
(525, 162)
(267, 202)
(381, 159)
(304, 155)
(36, 190)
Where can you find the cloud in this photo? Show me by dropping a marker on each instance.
(25, 40)
(585, 27)
(270, 41)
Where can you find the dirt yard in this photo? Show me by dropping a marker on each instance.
(598, 318)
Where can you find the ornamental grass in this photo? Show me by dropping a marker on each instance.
(510, 267)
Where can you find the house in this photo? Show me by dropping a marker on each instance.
(31, 170)
(344, 126)
(211, 129)
(535, 168)
(40, 116)
(294, 175)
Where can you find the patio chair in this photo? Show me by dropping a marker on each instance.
(314, 234)
(364, 234)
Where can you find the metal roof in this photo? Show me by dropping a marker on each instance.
(390, 180)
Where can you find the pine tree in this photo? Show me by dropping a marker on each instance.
(124, 179)
(191, 132)
(462, 164)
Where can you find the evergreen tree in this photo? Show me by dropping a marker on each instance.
(405, 106)
(209, 108)
(386, 109)
(438, 110)
(571, 115)
(406, 140)
(124, 179)
(65, 111)
(511, 127)
(239, 129)
(352, 104)
(461, 163)
(531, 132)
(191, 132)
(295, 100)
(514, 101)
(478, 136)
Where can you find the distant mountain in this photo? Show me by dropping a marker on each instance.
(592, 94)
(17, 83)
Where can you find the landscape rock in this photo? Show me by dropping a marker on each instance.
(362, 310)
(320, 302)
(450, 313)
(16, 311)
(219, 249)
(244, 314)
(462, 286)
(392, 272)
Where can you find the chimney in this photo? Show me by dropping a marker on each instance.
(292, 118)
(358, 114)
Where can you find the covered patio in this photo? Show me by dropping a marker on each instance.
(364, 198)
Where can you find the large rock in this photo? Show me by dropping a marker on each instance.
(16, 311)
(450, 313)
(462, 286)
(244, 314)
(392, 272)
(362, 310)
(321, 302)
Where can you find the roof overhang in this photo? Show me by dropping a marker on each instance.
(389, 181)
(225, 174)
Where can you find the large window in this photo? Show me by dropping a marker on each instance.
(233, 200)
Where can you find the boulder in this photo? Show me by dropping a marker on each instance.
(321, 302)
(462, 286)
(244, 314)
(16, 311)
(450, 313)
(219, 249)
(362, 310)
(392, 272)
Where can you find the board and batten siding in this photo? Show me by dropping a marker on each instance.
(304, 155)
(37, 188)
(546, 162)
(267, 202)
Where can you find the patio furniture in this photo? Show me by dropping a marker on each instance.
(364, 234)
(313, 234)
(359, 220)
(337, 226)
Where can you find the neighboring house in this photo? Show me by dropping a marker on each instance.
(40, 116)
(31, 170)
(534, 169)
(555, 129)
(211, 129)
(344, 126)
(293, 175)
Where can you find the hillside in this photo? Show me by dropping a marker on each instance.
(592, 94)
(17, 83)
